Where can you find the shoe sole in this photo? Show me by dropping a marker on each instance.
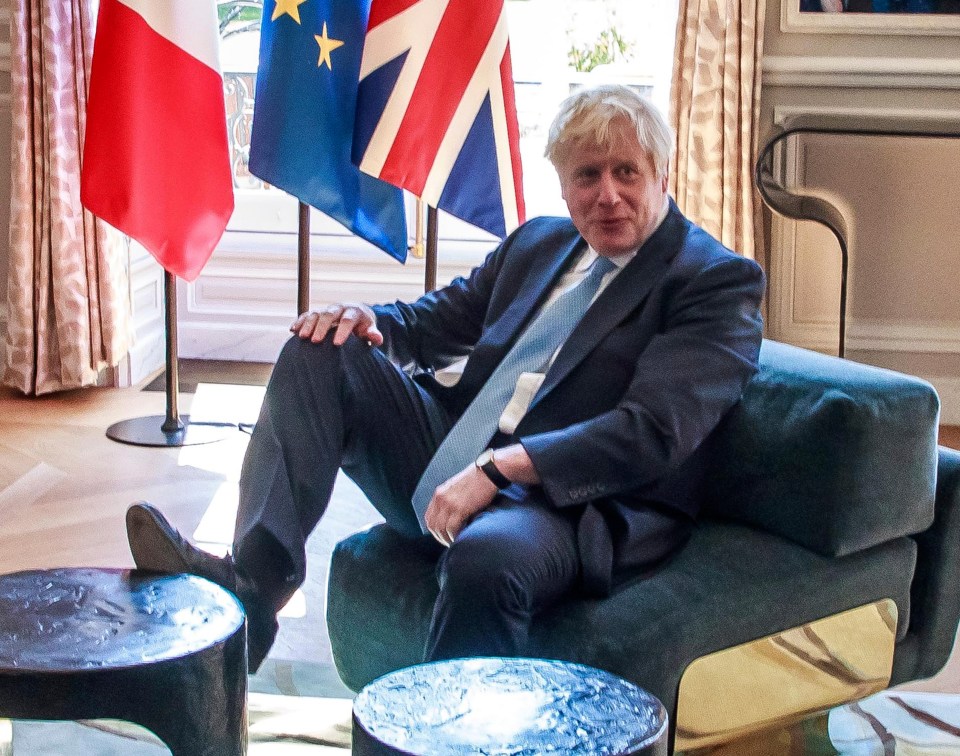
(152, 541)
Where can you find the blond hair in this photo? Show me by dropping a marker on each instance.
(586, 115)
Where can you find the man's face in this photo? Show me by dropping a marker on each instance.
(613, 194)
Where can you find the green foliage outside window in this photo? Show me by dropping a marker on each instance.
(238, 16)
(609, 47)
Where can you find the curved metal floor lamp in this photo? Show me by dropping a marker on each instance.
(799, 206)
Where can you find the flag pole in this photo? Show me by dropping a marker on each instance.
(303, 259)
(430, 267)
(417, 249)
(171, 430)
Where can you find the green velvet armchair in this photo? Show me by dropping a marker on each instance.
(826, 565)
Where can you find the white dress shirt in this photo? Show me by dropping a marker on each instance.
(528, 383)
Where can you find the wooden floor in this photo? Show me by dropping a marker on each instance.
(64, 489)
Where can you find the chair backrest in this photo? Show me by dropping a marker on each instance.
(831, 454)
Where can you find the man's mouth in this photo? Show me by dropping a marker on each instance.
(610, 222)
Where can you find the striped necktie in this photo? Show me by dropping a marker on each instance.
(472, 432)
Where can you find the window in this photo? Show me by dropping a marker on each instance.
(555, 46)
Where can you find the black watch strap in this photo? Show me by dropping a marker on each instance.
(486, 464)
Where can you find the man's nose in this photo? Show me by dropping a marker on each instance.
(609, 190)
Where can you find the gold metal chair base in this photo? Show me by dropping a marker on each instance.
(784, 677)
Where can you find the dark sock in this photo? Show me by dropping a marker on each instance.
(265, 582)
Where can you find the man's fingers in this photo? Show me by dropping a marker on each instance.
(454, 525)
(345, 324)
(434, 522)
(443, 540)
(327, 318)
(342, 319)
(301, 321)
(314, 325)
(308, 327)
(374, 336)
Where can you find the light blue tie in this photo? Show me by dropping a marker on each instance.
(471, 433)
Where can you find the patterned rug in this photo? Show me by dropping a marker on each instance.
(904, 723)
(293, 708)
(303, 709)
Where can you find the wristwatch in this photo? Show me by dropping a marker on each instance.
(486, 464)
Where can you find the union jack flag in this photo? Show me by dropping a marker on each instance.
(436, 113)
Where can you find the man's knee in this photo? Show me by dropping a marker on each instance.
(301, 359)
(519, 558)
(483, 570)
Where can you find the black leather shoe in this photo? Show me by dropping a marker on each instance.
(157, 546)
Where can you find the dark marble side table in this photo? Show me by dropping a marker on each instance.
(505, 706)
(164, 651)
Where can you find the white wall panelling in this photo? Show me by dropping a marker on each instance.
(242, 304)
(148, 350)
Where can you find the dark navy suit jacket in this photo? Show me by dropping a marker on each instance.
(617, 429)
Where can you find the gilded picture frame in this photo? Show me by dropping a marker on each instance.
(795, 19)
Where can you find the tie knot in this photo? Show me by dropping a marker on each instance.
(601, 266)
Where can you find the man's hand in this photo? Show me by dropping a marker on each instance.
(343, 319)
(470, 491)
(455, 503)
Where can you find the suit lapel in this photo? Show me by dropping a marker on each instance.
(624, 294)
(503, 332)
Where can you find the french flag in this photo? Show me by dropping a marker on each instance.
(436, 113)
(156, 164)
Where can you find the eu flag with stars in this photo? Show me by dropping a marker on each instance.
(303, 117)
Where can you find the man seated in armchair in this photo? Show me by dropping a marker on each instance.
(540, 420)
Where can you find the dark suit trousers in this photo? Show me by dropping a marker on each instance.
(329, 407)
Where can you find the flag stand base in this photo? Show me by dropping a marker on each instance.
(170, 430)
(150, 431)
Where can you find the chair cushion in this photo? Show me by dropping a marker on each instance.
(729, 585)
(834, 455)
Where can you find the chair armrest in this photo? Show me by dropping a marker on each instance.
(935, 592)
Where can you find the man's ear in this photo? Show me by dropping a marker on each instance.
(663, 182)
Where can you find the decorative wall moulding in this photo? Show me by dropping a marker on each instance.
(928, 119)
(861, 72)
(792, 19)
(894, 336)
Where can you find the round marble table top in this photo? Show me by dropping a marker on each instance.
(507, 706)
(81, 619)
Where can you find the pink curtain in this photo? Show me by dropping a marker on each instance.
(714, 109)
(67, 297)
